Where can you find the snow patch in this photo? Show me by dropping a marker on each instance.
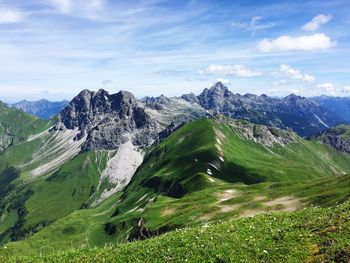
(209, 172)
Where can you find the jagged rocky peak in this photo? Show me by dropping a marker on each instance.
(156, 103)
(191, 97)
(108, 120)
(215, 97)
(219, 87)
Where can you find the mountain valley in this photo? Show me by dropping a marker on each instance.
(111, 169)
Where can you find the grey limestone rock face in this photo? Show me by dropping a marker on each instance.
(191, 97)
(108, 121)
(338, 143)
(265, 135)
(337, 137)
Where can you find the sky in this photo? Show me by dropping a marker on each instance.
(55, 48)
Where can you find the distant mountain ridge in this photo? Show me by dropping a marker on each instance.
(301, 114)
(43, 108)
(306, 116)
(340, 105)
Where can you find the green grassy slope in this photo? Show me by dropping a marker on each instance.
(16, 126)
(310, 235)
(29, 202)
(27, 208)
(173, 187)
(86, 228)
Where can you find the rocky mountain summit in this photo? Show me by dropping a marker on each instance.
(107, 121)
(303, 115)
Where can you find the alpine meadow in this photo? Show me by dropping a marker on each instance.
(174, 131)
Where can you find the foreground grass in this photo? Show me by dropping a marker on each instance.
(309, 235)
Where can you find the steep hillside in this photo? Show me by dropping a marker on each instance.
(208, 170)
(310, 235)
(17, 126)
(90, 153)
(337, 137)
(43, 109)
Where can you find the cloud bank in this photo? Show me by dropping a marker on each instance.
(302, 43)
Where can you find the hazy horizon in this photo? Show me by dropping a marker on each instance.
(17, 100)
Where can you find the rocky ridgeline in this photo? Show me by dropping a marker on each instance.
(265, 135)
(303, 115)
(337, 137)
(107, 121)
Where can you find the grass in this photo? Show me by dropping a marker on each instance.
(173, 188)
(16, 126)
(72, 186)
(309, 235)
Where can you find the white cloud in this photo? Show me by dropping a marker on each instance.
(302, 43)
(332, 89)
(253, 25)
(9, 16)
(224, 81)
(294, 91)
(327, 87)
(286, 71)
(317, 22)
(233, 70)
(68, 6)
(107, 82)
(279, 82)
(64, 6)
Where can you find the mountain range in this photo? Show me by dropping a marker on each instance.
(306, 116)
(43, 109)
(340, 105)
(112, 169)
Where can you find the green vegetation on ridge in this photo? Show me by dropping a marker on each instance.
(309, 235)
(205, 172)
(16, 126)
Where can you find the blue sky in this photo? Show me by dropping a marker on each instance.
(55, 48)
